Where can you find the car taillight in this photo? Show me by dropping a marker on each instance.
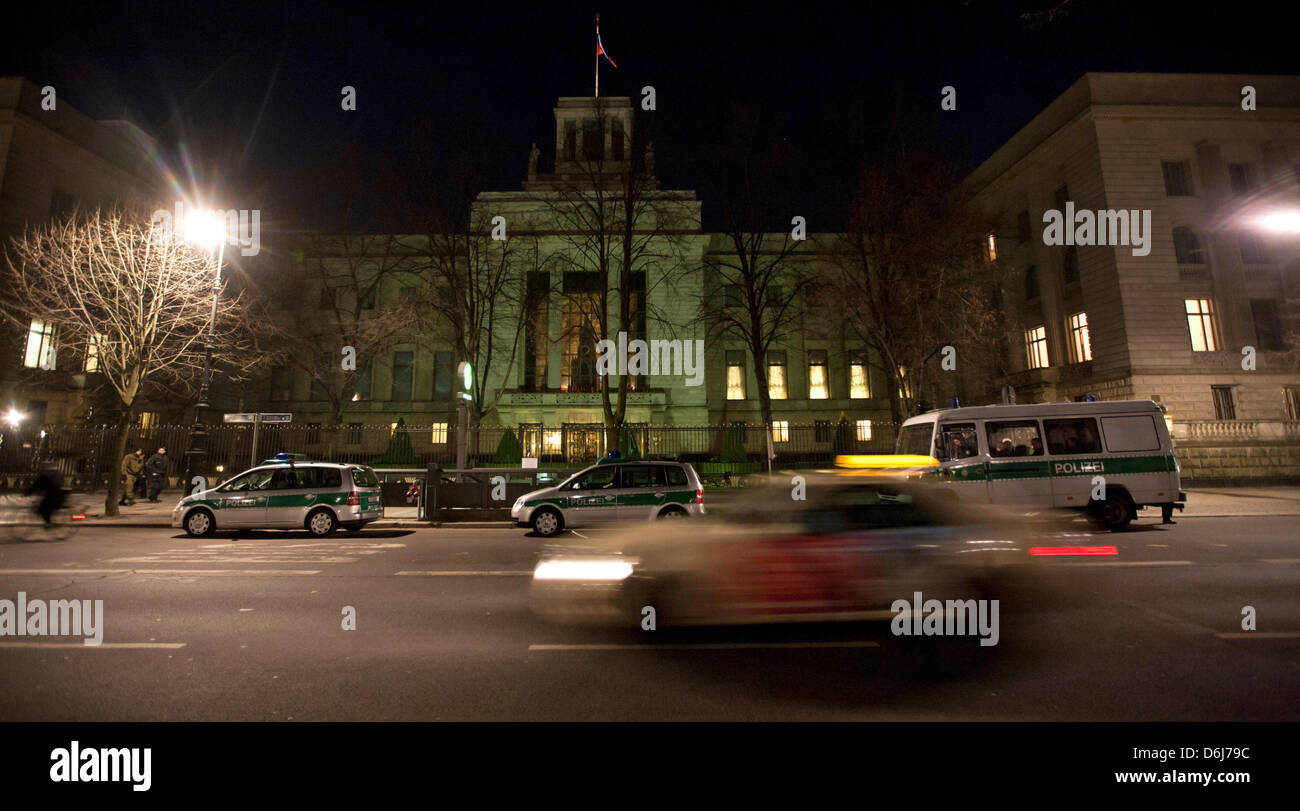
(699, 495)
(354, 499)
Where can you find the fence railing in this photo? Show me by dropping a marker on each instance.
(85, 454)
(1237, 430)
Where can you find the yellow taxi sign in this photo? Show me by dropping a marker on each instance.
(884, 461)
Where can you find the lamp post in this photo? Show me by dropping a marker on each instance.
(207, 229)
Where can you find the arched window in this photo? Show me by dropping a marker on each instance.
(1187, 248)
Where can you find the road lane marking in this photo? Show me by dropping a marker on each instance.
(1122, 563)
(224, 572)
(64, 571)
(705, 646)
(495, 573)
(1280, 560)
(80, 645)
(1260, 635)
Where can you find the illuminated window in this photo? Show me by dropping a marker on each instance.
(552, 441)
(439, 433)
(148, 419)
(776, 388)
(859, 385)
(735, 374)
(1080, 343)
(1200, 324)
(991, 248)
(780, 430)
(818, 386)
(864, 430)
(1036, 347)
(92, 352)
(40, 346)
(583, 300)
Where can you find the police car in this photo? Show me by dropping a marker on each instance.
(284, 493)
(613, 490)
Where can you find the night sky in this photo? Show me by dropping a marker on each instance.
(245, 96)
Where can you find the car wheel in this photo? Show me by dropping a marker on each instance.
(546, 523)
(200, 523)
(321, 523)
(673, 512)
(1116, 513)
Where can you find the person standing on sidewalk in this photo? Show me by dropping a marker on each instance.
(155, 471)
(132, 465)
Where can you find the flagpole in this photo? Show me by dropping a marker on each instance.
(598, 57)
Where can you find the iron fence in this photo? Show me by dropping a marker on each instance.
(86, 454)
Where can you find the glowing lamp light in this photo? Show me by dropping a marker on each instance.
(206, 228)
(1287, 221)
(13, 417)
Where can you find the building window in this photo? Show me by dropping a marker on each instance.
(616, 138)
(991, 248)
(354, 434)
(1253, 250)
(406, 294)
(583, 300)
(92, 353)
(1291, 396)
(864, 430)
(537, 343)
(363, 385)
(1080, 341)
(326, 301)
(1023, 233)
(281, 384)
(1224, 408)
(40, 346)
(1187, 248)
(859, 382)
(731, 298)
(1241, 179)
(636, 324)
(735, 374)
(780, 430)
(403, 368)
(773, 295)
(1200, 324)
(552, 441)
(1178, 178)
(443, 372)
(818, 382)
(1268, 325)
(438, 433)
(368, 300)
(1031, 283)
(593, 140)
(1036, 347)
(776, 379)
(1070, 265)
(148, 419)
(570, 141)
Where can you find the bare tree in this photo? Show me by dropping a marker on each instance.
(119, 286)
(615, 223)
(912, 279)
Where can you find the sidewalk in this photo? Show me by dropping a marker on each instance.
(1209, 502)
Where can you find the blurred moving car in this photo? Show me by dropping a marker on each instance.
(848, 552)
(284, 493)
(613, 490)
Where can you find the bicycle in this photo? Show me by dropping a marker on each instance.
(20, 522)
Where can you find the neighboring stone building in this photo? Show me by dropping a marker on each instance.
(52, 161)
(1216, 282)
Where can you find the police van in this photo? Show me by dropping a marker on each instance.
(1111, 458)
(286, 493)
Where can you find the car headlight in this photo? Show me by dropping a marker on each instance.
(605, 570)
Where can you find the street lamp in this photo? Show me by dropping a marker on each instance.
(207, 229)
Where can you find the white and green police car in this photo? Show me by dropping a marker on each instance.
(285, 494)
(613, 490)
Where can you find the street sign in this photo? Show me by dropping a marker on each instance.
(278, 417)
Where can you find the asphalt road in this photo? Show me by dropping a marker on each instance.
(251, 629)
